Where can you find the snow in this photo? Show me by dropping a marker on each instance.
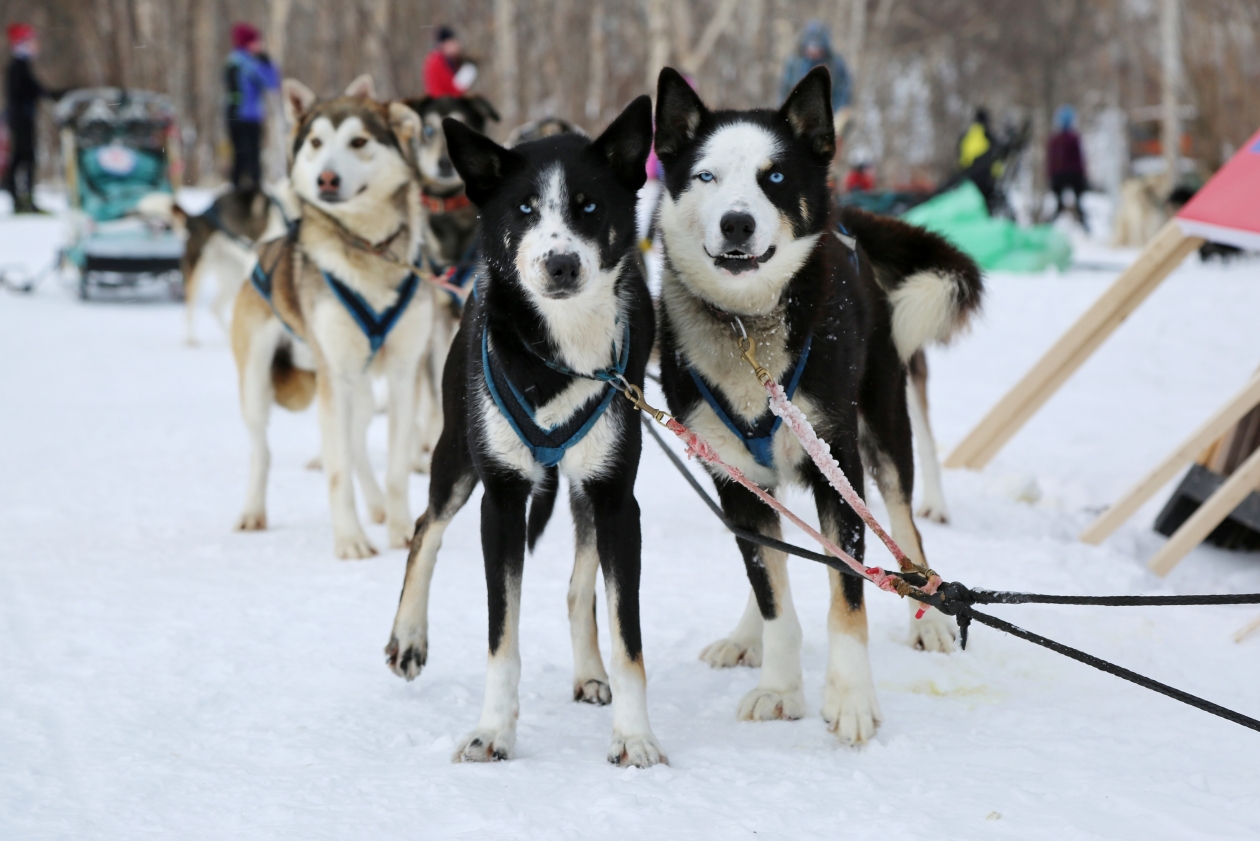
(162, 676)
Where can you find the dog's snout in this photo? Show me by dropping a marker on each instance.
(328, 181)
(738, 228)
(445, 168)
(563, 269)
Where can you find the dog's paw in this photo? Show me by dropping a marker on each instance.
(851, 712)
(934, 632)
(769, 705)
(317, 463)
(407, 659)
(252, 521)
(376, 512)
(592, 691)
(353, 547)
(726, 653)
(485, 746)
(934, 512)
(641, 751)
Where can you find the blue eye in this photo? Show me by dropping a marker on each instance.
(776, 178)
(706, 176)
(590, 208)
(526, 209)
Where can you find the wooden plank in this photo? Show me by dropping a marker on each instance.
(1215, 426)
(1209, 516)
(1135, 283)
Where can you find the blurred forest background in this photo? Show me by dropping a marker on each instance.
(919, 67)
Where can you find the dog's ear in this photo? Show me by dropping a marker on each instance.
(480, 162)
(405, 123)
(418, 105)
(808, 113)
(298, 99)
(625, 144)
(481, 106)
(362, 86)
(678, 113)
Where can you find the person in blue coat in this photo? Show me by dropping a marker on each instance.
(248, 74)
(814, 49)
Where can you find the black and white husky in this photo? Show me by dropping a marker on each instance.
(560, 314)
(837, 303)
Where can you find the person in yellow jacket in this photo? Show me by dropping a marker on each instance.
(978, 156)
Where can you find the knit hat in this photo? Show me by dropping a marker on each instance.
(443, 33)
(244, 34)
(20, 33)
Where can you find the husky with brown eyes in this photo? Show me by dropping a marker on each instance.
(560, 315)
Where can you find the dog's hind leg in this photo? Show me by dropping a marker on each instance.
(887, 453)
(192, 286)
(503, 547)
(452, 483)
(742, 647)
(364, 409)
(590, 680)
(619, 542)
(850, 706)
(933, 507)
(336, 417)
(779, 693)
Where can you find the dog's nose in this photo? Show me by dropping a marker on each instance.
(564, 269)
(445, 169)
(328, 181)
(738, 228)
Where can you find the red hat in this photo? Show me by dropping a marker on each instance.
(20, 33)
(244, 34)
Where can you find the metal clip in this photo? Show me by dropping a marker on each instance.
(749, 347)
(635, 395)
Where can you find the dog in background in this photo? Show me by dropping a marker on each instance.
(561, 316)
(449, 248)
(336, 301)
(838, 302)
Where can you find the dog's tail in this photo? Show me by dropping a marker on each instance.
(294, 386)
(933, 288)
(541, 503)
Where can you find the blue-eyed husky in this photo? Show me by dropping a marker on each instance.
(837, 304)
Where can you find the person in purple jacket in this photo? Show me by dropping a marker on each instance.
(1066, 163)
(248, 74)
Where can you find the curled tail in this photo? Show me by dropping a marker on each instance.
(541, 503)
(932, 287)
(294, 386)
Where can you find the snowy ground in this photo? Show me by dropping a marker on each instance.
(164, 677)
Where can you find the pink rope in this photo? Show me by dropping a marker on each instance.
(703, 450)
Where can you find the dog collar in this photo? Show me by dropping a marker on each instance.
(445, 204)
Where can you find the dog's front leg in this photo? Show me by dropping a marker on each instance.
(364, 408)
(779, 693)
(257, 395)
(336, 415)
(402, 422)
(503, 547)
(619, 542)
(590, 680)
(850, 706)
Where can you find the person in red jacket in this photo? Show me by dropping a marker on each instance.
(859, 179)
(447, 72)
(1066, 163)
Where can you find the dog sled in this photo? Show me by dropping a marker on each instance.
(117, 158)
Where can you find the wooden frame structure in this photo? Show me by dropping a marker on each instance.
(1225, 211)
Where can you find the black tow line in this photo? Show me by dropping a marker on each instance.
(957, 600)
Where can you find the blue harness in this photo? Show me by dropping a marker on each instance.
(548, 446)
(758, 437)
(375, 326)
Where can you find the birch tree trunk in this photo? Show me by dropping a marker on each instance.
(658, 41)
(505, 56)
(1170, 37)
(599, 64)
(207, 90)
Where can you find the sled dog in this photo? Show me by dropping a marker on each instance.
(220, 244)
(449, 248)
(837, 303)
(561, 314)
(335, 301)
